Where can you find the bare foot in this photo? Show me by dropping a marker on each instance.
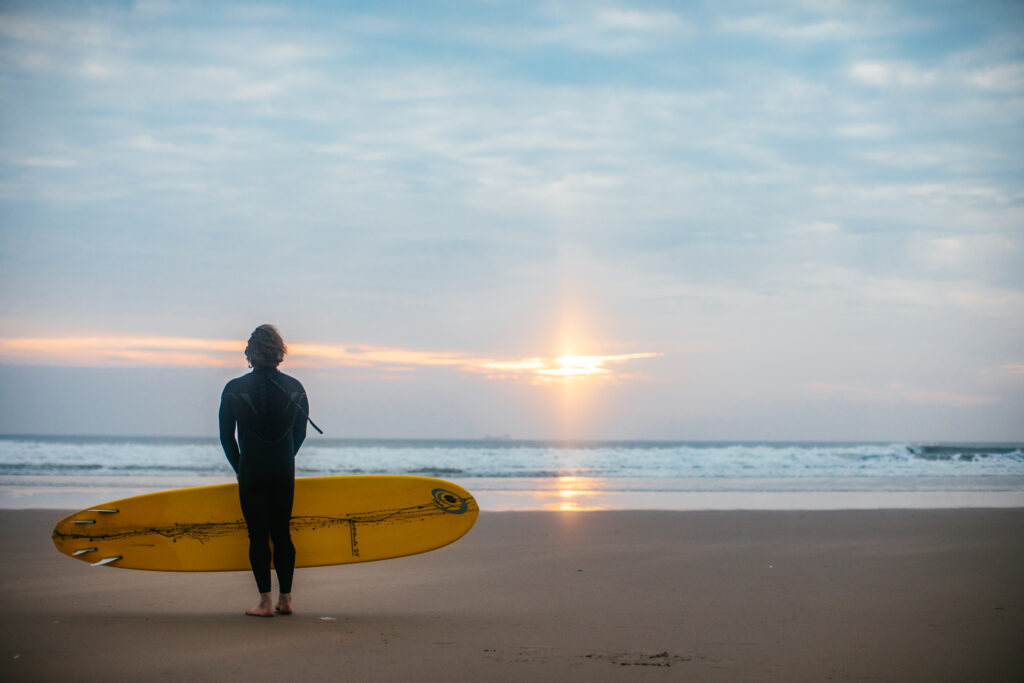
(263, 609)
(284, 604)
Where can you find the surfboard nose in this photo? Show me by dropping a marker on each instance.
(451, 502)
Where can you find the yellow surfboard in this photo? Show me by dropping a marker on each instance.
(335, 520)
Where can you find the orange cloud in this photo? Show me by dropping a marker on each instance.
(190, 352)
(364, 356)
(122, 351)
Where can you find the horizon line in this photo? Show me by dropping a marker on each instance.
(511, 439)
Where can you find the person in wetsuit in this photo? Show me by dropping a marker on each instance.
(269, 410)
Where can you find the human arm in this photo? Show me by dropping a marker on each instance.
(226, 417)
(299, 427)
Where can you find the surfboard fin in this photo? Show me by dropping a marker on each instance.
(83, 551)
(106, 560)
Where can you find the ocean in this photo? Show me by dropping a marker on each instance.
(74, 472)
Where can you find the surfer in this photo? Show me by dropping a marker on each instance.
(270, 410)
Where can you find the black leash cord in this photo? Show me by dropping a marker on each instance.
(297, 404)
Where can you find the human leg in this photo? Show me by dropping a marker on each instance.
(255, 510)
(280, 533)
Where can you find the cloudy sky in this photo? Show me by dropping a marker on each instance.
(661, 220)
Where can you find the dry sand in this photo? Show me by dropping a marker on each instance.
(708, 596)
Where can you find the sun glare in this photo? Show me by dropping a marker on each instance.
(574, 494)
(576, 366)
(571, 367)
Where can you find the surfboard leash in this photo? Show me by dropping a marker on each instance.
(297, 404)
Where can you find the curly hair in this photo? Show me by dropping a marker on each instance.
(266, 348)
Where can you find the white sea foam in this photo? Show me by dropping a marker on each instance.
(86, 457)
(76, 472)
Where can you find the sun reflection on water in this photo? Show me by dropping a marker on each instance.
(574, 493)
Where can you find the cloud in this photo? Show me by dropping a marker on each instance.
(889, 74)
(956, 253)
(962, 158)
(638, 20)
(1007, 77)
(943, 193)
(943, 292)
(865, 131)
(608, 30)
(190, 352)
(816, 228)
(1000, 78)
(563, 368)
(92, 69)
(59, 31)
(824, 21)
(776, 28)
(120, 351)
(47, 162)
(900, 393)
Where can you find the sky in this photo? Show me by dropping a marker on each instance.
(798, 220)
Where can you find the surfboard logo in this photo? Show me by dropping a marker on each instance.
(450, 502)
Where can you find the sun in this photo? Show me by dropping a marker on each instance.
(572, 366)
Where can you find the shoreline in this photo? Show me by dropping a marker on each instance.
(901, 595)
(586, 494)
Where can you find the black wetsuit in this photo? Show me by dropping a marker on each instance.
(270, 430)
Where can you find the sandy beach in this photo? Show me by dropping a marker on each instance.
(908, 595)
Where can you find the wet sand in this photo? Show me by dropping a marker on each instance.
(907, 595)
